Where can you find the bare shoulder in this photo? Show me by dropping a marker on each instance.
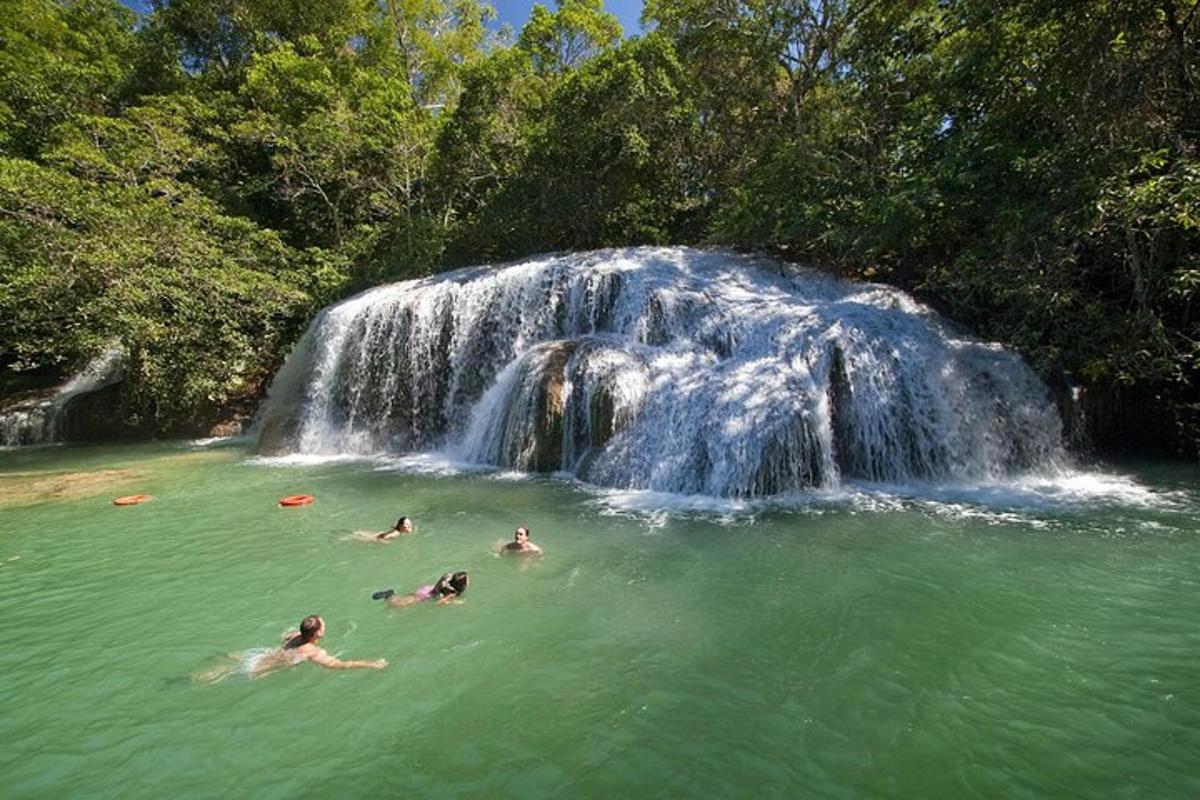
(317, 655)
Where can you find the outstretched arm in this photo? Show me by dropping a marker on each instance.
(329, 662)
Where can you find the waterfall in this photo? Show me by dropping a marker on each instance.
(669, 369)
(40, 420)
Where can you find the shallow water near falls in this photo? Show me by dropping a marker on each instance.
(1035, 637)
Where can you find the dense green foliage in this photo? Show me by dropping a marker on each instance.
(193, 183)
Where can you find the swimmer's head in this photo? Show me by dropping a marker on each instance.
(521, 535)
(404, 525)
(458, 582)
(312, 628)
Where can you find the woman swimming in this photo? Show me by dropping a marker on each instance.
(298, 646)
(302, 645)
(403, 525)
(447, 588)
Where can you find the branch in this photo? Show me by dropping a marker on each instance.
(1191, 15)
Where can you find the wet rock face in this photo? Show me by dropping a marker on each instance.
(547, 444)
(278, 436)
(90, 406)
(102, 415)
(662, 368)
(602, 413)
(841, 404)
(26, 423)
(789, 462)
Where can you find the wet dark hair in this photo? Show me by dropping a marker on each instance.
(309, 627)
(308, 630)
(400, 522)
(451, 584)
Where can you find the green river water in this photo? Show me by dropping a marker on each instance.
(929, 643)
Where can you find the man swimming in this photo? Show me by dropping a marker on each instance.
(403, 525)
(520, 545)
(302, 645)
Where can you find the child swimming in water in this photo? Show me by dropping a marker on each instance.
(448, 588)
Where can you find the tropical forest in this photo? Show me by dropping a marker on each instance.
(194, 182)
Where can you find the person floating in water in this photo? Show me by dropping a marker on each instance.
(520, 545)
(302, 645)
(298, 647)
(403, 525)
(448, 588)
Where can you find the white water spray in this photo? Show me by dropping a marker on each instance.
(668, 369)
(40, 421)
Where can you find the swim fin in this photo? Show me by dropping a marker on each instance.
(383, 594)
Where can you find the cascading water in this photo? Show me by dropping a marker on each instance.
(40, 421)
(669, 369)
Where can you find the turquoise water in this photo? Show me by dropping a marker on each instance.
(1027, 642)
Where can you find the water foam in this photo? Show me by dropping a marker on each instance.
(671, 370)
(40, 421)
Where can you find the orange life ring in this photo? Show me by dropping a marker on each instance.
(296, 500)
(132, 499)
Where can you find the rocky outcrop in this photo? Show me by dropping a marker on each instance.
(278, 435)
(101, 415)
(548, 434)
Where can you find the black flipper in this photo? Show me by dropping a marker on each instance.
(383, 594)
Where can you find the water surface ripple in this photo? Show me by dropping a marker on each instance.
(886, 642)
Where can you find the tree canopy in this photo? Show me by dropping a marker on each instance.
(195, 181)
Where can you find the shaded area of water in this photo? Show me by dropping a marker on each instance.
(877, 645)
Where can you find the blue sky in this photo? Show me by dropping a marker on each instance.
(515, 12)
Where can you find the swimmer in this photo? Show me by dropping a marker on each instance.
(448, 588)
(403, 525)
(300, 646)
(520, 545)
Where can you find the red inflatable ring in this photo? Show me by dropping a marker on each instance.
(132, 499)
(296, 500)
